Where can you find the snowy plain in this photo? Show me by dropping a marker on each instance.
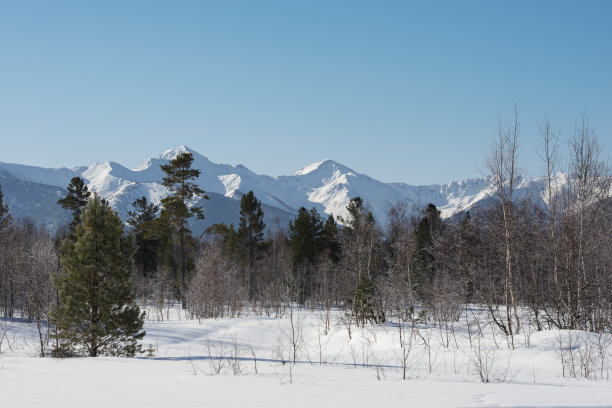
(248, 362)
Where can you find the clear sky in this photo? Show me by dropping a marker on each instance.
(402, 91)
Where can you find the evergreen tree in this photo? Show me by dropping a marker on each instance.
(466, 224)
(250, 232)
(146, 244)
(229, 238)
(97, 313)
(424, 259)
(305, 237)
(467, 242)
(364, 301)
(4, 213)
(161, 231)
(329, 236)
(77, 197)
(358, 216)
(179, 181)
(360, 248)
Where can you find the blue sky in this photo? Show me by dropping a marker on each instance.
(402, 91)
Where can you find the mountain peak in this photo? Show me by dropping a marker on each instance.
(172, 153)
(310, 168)
(327, 185)
(323, 165)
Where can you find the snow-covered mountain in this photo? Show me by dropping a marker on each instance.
(327, 185)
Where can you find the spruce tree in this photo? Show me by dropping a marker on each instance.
(77, 197)
(179, 180)
(97, 314)
(250, 232)
(146, 244)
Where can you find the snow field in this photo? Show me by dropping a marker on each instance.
(248, 361)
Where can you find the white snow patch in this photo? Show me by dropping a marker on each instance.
(231, 183)
(332, 369)
(310, 168)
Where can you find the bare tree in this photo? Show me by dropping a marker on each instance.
(215, 289)
(550, 156)
(38, 266)
(162, 291)
(585, 205)
(502, 163)
(360, 241)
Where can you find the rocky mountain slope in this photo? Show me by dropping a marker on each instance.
(327, 185)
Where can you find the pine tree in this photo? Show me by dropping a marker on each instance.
(5, 217)
(305, 237)
(358, 215)
(329, 237)
(146, 244)
(467, 241)
(97, 313)
(424, 234)
(229, 238)
(250, 232)
(162, 232)
(179, 181)
(77, 197)
(466, 224)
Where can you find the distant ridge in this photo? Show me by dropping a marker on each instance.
(326, 185)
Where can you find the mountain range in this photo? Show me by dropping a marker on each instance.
(32, 192)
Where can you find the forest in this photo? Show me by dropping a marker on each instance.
(528, 264)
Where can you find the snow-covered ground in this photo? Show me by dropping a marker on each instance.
(248, 362)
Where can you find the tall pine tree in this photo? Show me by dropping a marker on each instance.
(179, 180)
(329, 237)
(424, 260)
(97, 314)
(146, 243)
(250, 232)
(77, 197)
(305, 237)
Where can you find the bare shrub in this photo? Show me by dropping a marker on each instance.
(584, 355)
(215, 290)
(406, 341)
(162, 292)
(487, 366)
(283, 353)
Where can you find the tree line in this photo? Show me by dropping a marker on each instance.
(527, 263)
